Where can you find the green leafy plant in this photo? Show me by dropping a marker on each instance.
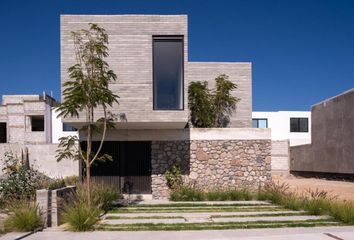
(24, 217)
(200, 105)
(86, 91)
(56, 184)
(174, 177)
(20, 180)
(72, 180)
(212, 108)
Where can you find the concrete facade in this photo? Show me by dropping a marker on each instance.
(17, 111)
(332, 147)
(130, 50)
(279, 122)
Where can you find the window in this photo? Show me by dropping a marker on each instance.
(68, 128)
(168, 72)
(37, 123)
(260, 123)
(3, 132)
(299, 124)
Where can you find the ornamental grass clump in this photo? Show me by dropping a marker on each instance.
(343, 211)
(24, 216)
(80, 216)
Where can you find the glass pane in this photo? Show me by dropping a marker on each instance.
(254, 123)
(294, 124)
(304, 125)
(168, 74)
(262, 123)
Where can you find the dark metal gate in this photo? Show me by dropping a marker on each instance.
(130, 169)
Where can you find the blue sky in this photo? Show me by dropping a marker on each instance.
(302, 50)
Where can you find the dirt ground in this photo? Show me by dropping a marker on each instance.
(341, 189)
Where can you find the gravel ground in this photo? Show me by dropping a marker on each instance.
(343, 190)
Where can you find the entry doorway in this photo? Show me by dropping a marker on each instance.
(130, 168)
(3, 132)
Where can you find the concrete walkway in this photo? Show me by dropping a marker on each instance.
(316, 233)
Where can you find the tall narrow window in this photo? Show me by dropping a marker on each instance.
(168, 72)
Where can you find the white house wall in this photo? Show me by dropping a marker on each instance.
(279, 122)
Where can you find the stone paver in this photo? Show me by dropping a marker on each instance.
(269, 218)
(162, 201)
(196, 214)
(316, 233)
(139, 221)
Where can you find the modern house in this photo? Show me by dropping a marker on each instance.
(149, 53)
(294, 126)
(331, 152)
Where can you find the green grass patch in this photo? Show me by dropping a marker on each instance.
(144, 217)
(216, 226)
(24, 217)
(188, 193)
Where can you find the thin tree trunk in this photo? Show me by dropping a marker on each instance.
(88, 182)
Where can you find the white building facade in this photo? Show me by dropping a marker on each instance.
(292, 125)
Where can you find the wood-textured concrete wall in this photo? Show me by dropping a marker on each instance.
(239, 73)
(130, 50)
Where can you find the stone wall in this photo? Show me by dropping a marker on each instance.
(210, 164)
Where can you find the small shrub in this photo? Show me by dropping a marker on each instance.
(80, 216)
(273, 192)
(72, 180)
(24, 217)
(56, 184)
(187, 193)
(174, 177)
(19, 182)
(102, 196)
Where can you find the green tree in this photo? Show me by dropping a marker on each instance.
(212, 108)
(200, 105)
(85, 92)
(224, 102)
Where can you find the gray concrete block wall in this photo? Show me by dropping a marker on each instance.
(239, 73)
(130, 50)
(280, 159)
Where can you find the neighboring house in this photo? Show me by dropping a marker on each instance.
(26, 119)
(60, 129)
(149, 53)
(331, 151)
(294, 126)
(29, 129)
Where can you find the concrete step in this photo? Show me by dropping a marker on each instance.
(198, 207)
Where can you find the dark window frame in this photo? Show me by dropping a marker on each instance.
(167, 37)
(299, 129)
(36, 118)
(3, 139)
(266, 119)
